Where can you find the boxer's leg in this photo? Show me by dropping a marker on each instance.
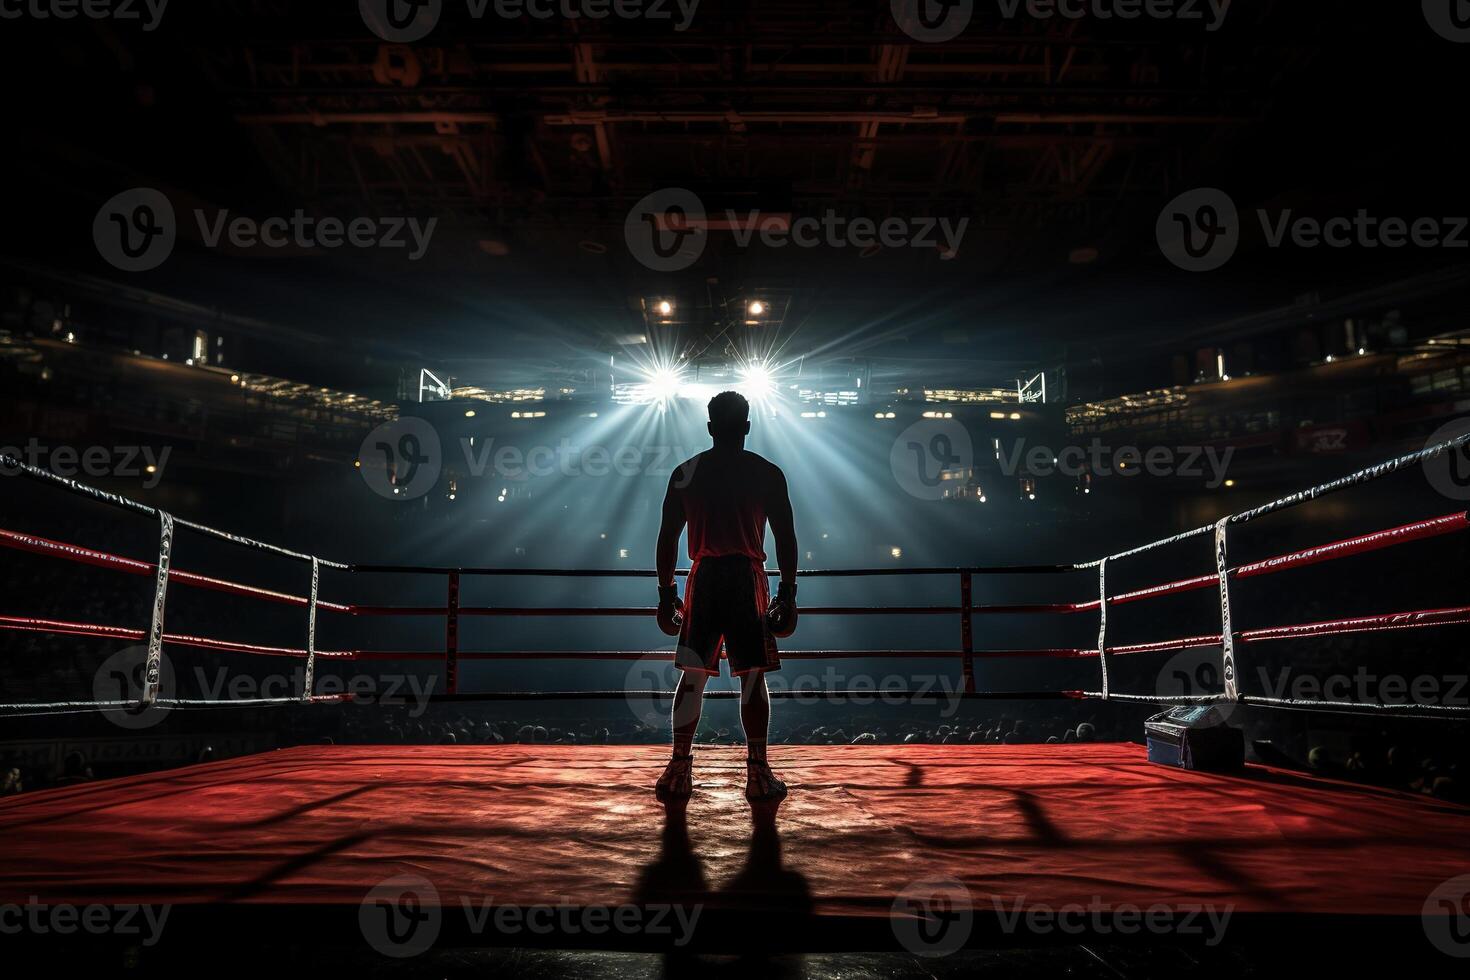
(755, 713)
(678, 777)
(688, 706)
(755, 716)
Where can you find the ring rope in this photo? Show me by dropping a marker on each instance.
(1227, 632)
(1102, 624)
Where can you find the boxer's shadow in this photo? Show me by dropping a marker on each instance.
(676, 876)
(765, 887)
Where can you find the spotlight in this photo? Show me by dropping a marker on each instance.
(664, 307)
(756, 307)
(1015, 416)
(663, 384)
(470, 414)
(1230, 483)
(896, 552)
(757, 381)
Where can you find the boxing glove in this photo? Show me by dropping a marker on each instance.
(781, 614)
(670, 610)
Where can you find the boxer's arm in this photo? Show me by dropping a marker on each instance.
(666, 552)
(783, 529)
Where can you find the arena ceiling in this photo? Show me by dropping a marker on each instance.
(1054, 140)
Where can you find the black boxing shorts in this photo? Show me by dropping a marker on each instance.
(725, 604)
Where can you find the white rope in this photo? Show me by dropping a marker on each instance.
(1227, 633)
(1102, 623)
(152, 670)
(310, 677)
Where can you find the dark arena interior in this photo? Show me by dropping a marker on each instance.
(393, 585)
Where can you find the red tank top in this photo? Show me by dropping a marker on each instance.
(725, 493)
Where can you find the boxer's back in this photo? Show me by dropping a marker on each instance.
(726, 493)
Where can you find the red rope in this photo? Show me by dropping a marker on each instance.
(131, 566)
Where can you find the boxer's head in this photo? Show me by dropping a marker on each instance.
(729, 418)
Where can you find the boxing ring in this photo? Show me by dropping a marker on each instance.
(267, 838)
